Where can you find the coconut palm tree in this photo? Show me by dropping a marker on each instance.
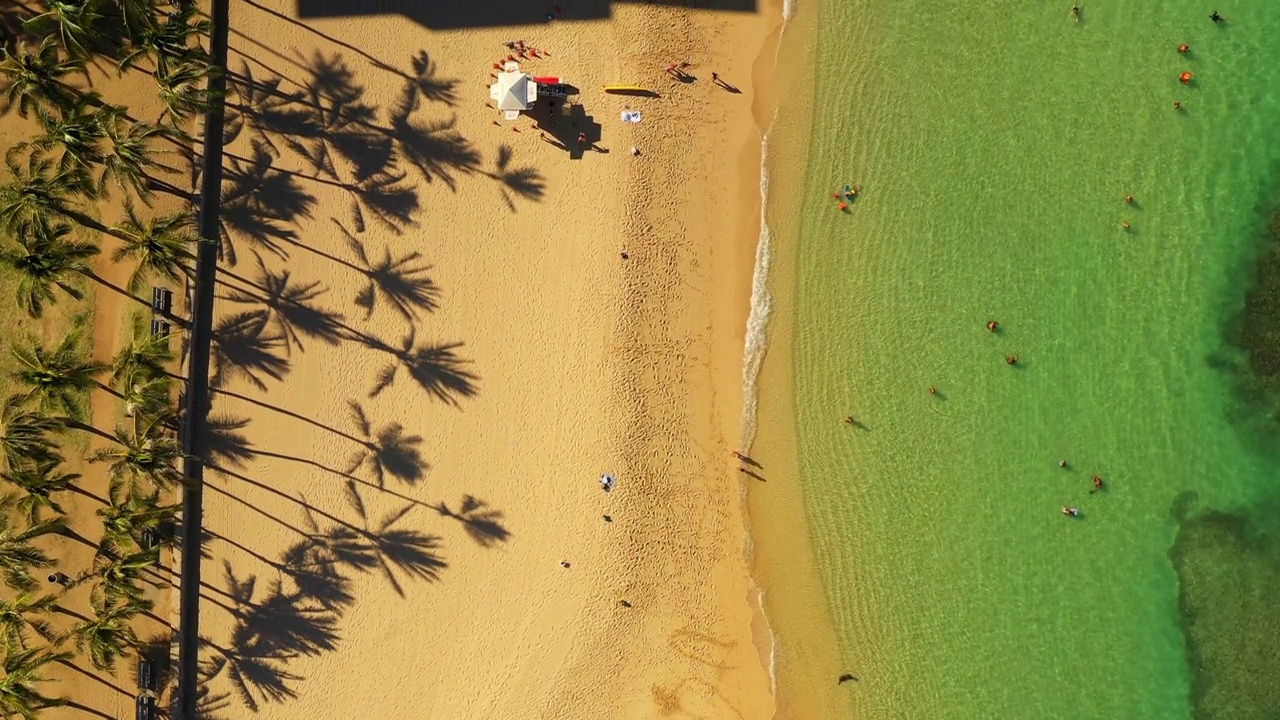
(130, 158)
(19, 688)
(160, 246)
(77, 132)
(108, 635)
(44, 258)
(183, 91)
(18, 557)
(144, 456)
(75, 22)
(40, 191)
(38, 482)
(120, 576)
(25, 612)
(37, 77)
(128, 517)
(56, 378)
(163, 42)
(144, 358)
(25, 438)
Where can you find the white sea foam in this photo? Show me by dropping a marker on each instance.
(761, 305)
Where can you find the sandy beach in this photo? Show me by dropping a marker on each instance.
(441, 329)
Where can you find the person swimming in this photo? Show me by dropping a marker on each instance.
(1070, 511)
(993, 325)
(1097, 483)
(933, 390)
(1215, 17)
(1062, 464)
(1012, 359)
(1075, 12)
(1128, 199)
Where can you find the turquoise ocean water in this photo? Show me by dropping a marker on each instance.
(994, 144)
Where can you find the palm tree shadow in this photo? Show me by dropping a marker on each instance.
(389, 451)
(525, 182)
(436, 368)
(402, 281)
(482, 523)
(384, 546)
(428, 84)
(245, 346)
(292, 307)
(435, 148)
(226, 444)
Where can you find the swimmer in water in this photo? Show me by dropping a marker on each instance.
(1177, 105)
(1183, 49)
(848, 420)
(1075, 12)
(1128, 199)
(993, 325)
(1062, 464)
(1216, 18)
(933, 390)
(1125, 224)
(1097, 483)
(1012, 359)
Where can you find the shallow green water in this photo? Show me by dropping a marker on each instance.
(994, 143)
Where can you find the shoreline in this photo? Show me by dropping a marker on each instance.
(793, 604)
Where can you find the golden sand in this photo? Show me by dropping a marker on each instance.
(573, 362)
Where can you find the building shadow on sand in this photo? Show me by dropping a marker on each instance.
(567, 126)
(493, 13)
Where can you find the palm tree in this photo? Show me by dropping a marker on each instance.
(120, 577)
(150, 401)
(128, 517)
(160, 246)
(56, 378)
(142, 456)
(130, 158)
(36, 78)
(25, 437)
(144, 358)
(38, 482)
(163, 42)
(18, 556)
(183, 92)
(108, 635)
(19, 693)
(78, 132)
(75, 21)
(45, 258)
(39, 191)
(23, 612)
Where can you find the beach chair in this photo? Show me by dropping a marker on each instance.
(146, 674)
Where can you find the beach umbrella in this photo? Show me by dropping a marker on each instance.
(514, 91)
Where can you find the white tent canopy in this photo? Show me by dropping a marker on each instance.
(514, 91)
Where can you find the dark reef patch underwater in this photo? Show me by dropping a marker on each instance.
(1228, 561)
(1228, 566)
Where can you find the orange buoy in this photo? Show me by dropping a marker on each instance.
(1185, 78)
(844, 206)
